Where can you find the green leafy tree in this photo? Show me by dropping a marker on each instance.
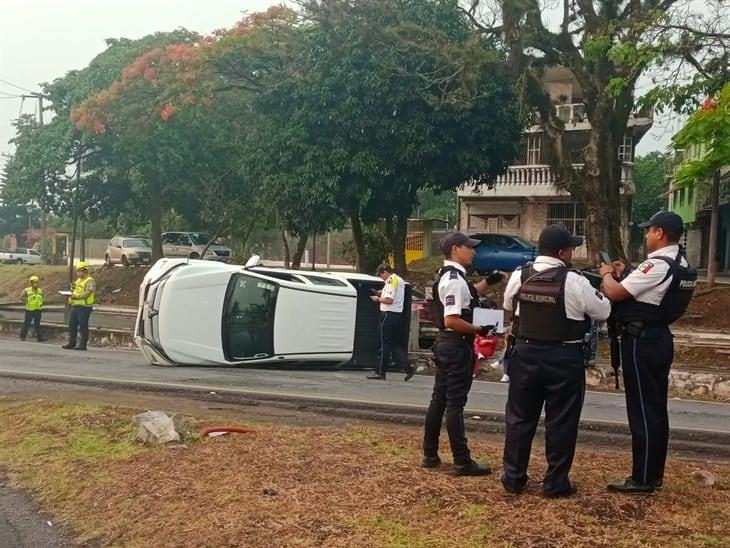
(650, 179)
(608, 45)
(358, 105)
(710, 127)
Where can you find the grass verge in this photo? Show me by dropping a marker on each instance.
(350, 486)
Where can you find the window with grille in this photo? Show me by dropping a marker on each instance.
(569, 214)
(625, 150)
(533, 149)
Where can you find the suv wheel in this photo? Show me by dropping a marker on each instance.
(194, 255)
(19, 261)
(125, 261)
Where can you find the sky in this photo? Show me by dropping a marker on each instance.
(41, 40)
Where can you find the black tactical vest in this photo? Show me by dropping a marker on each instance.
(541, 299)
(437, 305)
(673, 304)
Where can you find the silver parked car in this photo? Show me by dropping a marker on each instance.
(128, 250)
(192, 244)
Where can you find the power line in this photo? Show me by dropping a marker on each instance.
(16, 86)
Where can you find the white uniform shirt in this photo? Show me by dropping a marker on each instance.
(454, 291)
(645, 283)
(395, 288)
(581, 299)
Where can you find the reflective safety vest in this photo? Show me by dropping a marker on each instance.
(34, 298)
(78, 290)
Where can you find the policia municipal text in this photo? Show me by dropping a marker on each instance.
(647, 301)
(82, 299)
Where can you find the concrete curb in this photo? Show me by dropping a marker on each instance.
(597, 432)
(102, 338)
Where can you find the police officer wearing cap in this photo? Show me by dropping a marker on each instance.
(553, 306)
(393, 325)
(82, 299)
(32, 298)
(454, 300)
(647, 301)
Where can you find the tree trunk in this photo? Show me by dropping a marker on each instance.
(44, 234)
(714, 218)
(211, 241)
(72, 251)
(398, 242)
(285, 248)
(314, 251)
(296, 263)
(359, 239)
(82, 240)
(155, 190)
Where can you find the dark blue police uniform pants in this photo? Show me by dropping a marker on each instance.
(393, 329)
(646, 361)
(454, 365)
(79, 321)
(31, 317)
(552, 375)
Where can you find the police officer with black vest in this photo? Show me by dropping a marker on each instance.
(553, 306)
(647, 301)
(454, 300)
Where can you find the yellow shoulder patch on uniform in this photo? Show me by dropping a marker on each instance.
(393, 280)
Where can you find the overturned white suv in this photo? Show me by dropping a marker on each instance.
(206, 313)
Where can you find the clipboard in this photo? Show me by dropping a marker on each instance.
(65, 293)
(489, 316)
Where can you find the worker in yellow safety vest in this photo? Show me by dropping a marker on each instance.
(32, 298)
(82, 299)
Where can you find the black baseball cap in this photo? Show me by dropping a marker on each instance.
(557, 237)
(456, 238)
(383, 267)
(667, 220)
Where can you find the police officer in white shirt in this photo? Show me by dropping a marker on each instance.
(553, 307)
(393, 325)
(647, 301)
(454, 300)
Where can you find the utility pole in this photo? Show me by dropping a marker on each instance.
(44, 212)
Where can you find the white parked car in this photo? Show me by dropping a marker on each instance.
(21, 255)
(192, 244)
(209, 313)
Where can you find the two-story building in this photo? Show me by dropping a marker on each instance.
(528, 197)
(693, 205)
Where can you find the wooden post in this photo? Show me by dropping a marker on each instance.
(714, 221)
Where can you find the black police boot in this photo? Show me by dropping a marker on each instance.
(69, 345)
(659, 484)
(630, 486)
(410, 371)
(472, 468)
(511, 487)
(569, 492)
(431, 462)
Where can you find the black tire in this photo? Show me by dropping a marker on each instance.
(194, 255)
(18, 261)
(108, 261)
(125, 261)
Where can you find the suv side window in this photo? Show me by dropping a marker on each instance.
(169, 238)
(183, 239)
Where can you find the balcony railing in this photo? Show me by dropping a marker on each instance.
(532, 177)
(575, 113)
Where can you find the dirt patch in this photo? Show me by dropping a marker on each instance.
(709, 309)
(312, 486)
(115, 286)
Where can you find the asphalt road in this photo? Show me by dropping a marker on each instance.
(46, 359)
(23, 526)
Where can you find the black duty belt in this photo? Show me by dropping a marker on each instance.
(549, 343)
(638, 329)
(453, 335)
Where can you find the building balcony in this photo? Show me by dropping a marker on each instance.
(534, 180)
(575, 118)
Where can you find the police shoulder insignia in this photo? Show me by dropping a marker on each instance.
(450, 300)
(454, 274)
(599, 295)
(645, 267)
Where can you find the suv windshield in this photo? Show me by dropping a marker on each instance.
(248, 318)
(135, 243)
(199, 238)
